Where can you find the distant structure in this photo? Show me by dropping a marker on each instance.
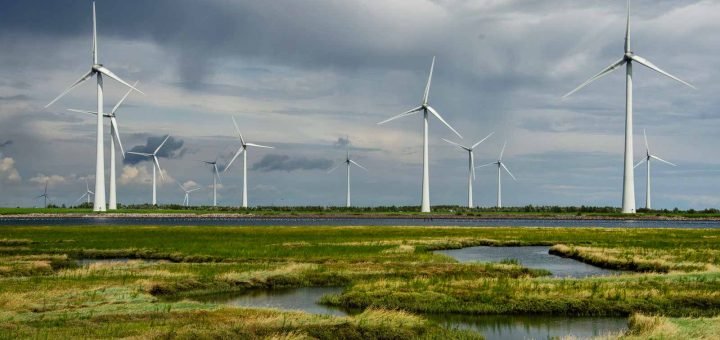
(87, 193)
(186, 200)
(425, 108)
(156, 163)
(44, 195)
(628, 201)
(471, 165)
(648, 158)
(243, 150)
(500, 166)
(348, 162)
(97, 70)
(216, 178)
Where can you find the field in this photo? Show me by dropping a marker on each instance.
(672, 289)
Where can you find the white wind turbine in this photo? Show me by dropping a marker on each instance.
(648, 157)
(628, 202)
(471, 165)
(243, 150)
(500, 166)
(425, 108)
(44, 195)
(156, 163)
(216, 178)
(114, 136)
(348, 162)
(97, 70)
(87, 193)
(186, 200)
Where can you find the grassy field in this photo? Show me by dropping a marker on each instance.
(390, 271)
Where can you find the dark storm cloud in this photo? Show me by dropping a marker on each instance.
(15, 97)
(342, 142)
(5, 143)
(173, 148)
(287, 163)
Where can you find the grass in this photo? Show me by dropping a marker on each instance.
(392, 271)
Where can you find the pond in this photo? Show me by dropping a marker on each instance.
(300, 299)
(536, 257)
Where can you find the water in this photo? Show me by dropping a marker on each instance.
(508, 327)
(87, 262)
(491, 326)
(531, 257)
(333, 221)
(299, 299)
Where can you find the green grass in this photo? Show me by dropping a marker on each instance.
(44, 294)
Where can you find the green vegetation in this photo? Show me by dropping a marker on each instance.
(392, 271)
(384, 211)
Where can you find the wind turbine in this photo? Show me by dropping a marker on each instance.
(86, 194)
(243, 150)
(500, 166)
(114, 136)
(648, 158)
(425, 108)
(44, 195)
(471, 165)
(156, 163)
(216, 178)
(186, 200)
(628, 202)
(97, 70)
(348, 162)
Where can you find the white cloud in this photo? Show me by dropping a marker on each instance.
(141, 175)
(50, 180)
(8, 173)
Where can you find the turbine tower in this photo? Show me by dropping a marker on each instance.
(348, 162)
(87, 193)
(216, 178)
(628, 201)
(97, 70)
(186, 200)
(500, 167)
(425, 108)
(648, 158)
(471, 165)
(114, 136)
(156, 163)
(243, 150)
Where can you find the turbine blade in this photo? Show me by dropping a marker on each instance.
(192, 190)
(472, 163)
(240, 151)
(105, 71)
(356, 163)
(456, 144)
(426, 95)
(157, 163)
(161, 145)
(94, 38)
(333, 169)
(438, 116)
(406, 113)
(484, 165)
(662, 160)
(74, 85)
(217, 173)
(640, 162)
(140, 153)
(81, 197)
(642, 61)
(181, 187)
(83, 111)
(123, 99)
(601, 74)
(503, 150)
(627, 29)
(238, 131)
(647, 146)
(260, 146)
(508, 171)
(116, 132)
(482, 140)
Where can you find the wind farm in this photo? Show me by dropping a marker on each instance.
(270, 248)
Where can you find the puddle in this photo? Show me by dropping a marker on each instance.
(87, 262)
(300, 299)
(536, 257)
(533, 327)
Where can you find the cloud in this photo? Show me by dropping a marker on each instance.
(8, 173)
(50, 180)
(342, 142)
(188, 185)
(173, 148)
(6, 143)
(287, 163)
(141, 175)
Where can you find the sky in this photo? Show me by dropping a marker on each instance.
(312, 78)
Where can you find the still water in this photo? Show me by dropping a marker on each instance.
(531, 257)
